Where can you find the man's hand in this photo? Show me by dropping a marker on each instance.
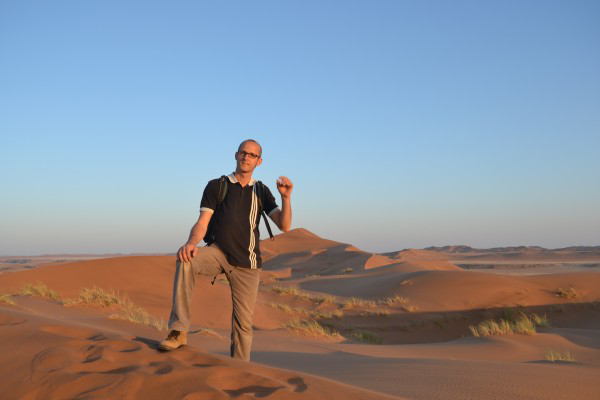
(285, 186)
(187, 252)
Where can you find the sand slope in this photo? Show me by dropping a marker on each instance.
(58, 359)
(427, 351)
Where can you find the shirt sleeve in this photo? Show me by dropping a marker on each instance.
(210, 196)
(269, 204)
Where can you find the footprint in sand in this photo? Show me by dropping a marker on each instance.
(6, 320)
(122, 346)
(49, 360)
(161, 368)
(257, 391)
(92, 353)
(73, 332)
(247, 383)
(206, 395)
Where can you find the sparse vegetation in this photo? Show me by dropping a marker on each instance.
(282, 307)
(408, 308)
(366, 337)
(375, 313)
(313, 314)
(568, 293)
(347, 270)
(311, 328)
(540, 320)
(406, 282)
(390, 301)
(103, 298)
(39, 289)
(128, 310)
(355, 302)
(138, 315)
(324, 300)
(523, 323)
(208, 332)
(326, 314)
(7, 298)
(553, 355)
(403, 301)
(98, 296)
(289, 291)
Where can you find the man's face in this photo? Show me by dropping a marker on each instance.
(248, 157)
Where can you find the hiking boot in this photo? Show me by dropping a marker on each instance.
(173, 341)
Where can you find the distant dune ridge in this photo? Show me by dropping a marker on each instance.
(401, 319)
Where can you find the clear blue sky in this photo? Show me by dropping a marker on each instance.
(401, 123)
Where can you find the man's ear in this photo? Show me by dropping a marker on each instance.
(259, 161)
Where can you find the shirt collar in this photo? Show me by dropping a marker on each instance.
(233, 179)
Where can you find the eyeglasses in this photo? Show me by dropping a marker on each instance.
(243, 153)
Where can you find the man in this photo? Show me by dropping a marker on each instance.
(235, 250)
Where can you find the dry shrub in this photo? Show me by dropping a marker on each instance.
(366, 337)
(568, 293)
(523, 323)
(553, 355)
(355, 302)
(39, 289)
(7, 298)
(311, 328)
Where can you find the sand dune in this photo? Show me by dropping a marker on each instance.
(427, 350)
(51, 359)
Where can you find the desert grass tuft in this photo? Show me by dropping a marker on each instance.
(568, 293)
(282, 307)
(553, 355)
(408, 308)
(523, 324)
(540, 320)
(355, 302)
(324, 300)
(393, 300)
(310, 313)
(311, 328)
(39, 289)
(208, 332)
(347, 270)
(127, 310)
(289, 291)
(375, 313)
(138, 315)
(7, 299)
(98, 296)
(366, 337)
(326, 314)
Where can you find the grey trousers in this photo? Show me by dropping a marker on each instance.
(244, 287)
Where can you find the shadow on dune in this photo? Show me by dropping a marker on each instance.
(578, 323)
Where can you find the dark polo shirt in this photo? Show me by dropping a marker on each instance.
(236, 230)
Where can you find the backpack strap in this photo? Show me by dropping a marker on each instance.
(223, 185)
(222, 193)
(222, 190)
(259, 195)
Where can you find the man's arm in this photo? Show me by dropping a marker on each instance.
(189, 249)
(283, 217)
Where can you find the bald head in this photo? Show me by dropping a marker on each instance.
(250, 141)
